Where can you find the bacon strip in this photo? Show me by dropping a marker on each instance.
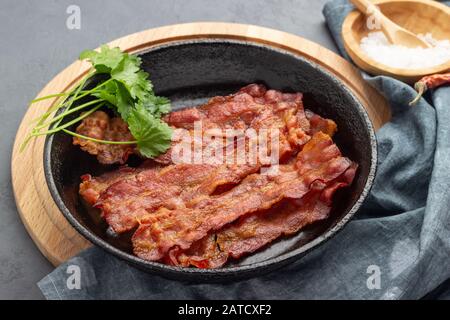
(251, 107)
(124, 201)
(319, 162)
(92, 187)
(237, 110)
(257, 230)
(100, 126)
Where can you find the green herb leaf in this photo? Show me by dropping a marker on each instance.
(104, 61)
(157, 106)
(118, 97)
(153, 136)
(108, 93)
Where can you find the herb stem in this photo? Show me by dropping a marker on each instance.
(62, 103)
(65, 113)
(49, 97)
(97, 140)
(77, 91)
(65, 125)
(86, 92)
(82, 95)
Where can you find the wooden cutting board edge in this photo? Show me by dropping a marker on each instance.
(48, 228)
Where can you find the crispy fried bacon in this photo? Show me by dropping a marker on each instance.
(167, 229)
(251, 107)
(124, 201)
(100, 126)
(257, 230)
(205, 214)
(92, 187)
(237, 110)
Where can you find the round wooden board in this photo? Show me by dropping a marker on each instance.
(53, 235)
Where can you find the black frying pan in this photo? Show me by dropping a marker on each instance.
(190, 72)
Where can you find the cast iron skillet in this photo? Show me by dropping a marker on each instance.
(188, 73)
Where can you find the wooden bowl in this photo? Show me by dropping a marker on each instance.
(418, 16)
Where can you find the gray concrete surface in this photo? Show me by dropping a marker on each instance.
(35, 45)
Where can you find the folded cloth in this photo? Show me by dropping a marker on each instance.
(397, 247)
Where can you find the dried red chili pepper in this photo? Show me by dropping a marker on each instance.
(429, 82)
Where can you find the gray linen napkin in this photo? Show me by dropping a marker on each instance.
(402, 231)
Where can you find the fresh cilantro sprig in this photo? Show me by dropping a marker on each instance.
(126, 90)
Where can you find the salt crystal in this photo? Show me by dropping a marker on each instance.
(377, 47)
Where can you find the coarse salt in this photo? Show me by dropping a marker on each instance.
(377, 47)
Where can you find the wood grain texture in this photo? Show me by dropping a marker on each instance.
(417, 16)
(53, 235)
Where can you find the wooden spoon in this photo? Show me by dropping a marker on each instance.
(393, 32)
